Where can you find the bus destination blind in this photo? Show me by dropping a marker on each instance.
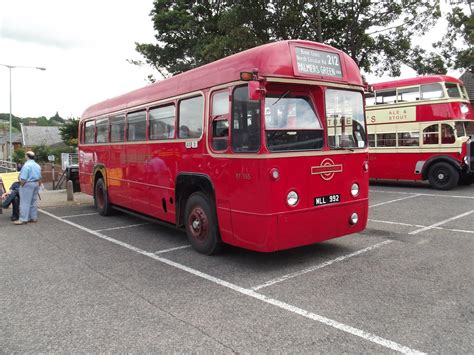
(314, 62)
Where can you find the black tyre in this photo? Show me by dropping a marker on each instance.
(443, 176)
(101, 198)
(200, 221)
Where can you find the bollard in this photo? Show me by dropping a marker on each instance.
(70, 191)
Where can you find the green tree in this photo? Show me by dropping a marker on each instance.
(56, 120)
(376, 34)
(69, 132)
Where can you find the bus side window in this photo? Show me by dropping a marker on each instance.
(102, 127)
(89, 136)
(220, 123)
(431, 134)
(136, 126)
(447, 134)
(371, 138)
(245, 122)
(408, 94)
(386, 140)
(386, 97)
(408, 139)
(162, 122)
(117, 128)
(370, 99)
(191, 117)
(431, 91)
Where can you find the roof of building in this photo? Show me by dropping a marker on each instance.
(40, 135)
(16, 138)
(468, 79)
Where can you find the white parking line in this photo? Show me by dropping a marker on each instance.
(80, 215)
(250, 293)
(319, 266)
(172, 249)
(442, 222)
(391, 201)
(420, 226)
(414, 193)
(123, 227)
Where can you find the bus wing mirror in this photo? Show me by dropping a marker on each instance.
(256, 90)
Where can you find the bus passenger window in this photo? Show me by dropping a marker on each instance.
(245, 122)
(431, 134)
(453, 90)
(102, 130)
(370, 99)
(90, 132)
(386, 140)
(136, 126)
(191, 117)
(386, 97)
(447, 134)
(117, 128)
(371, 138)
(408, 94)
(162, 121)
(408, 139)
(431, 91)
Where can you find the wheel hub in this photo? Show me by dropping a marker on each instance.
(198, 224)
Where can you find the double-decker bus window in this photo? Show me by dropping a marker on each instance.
(245, 122)
(220, 103)
(386, 140)
(162, 122)
(408, 139)
(102, 127)
(371, 138)
(370, 99)
(431, 91)
(452, 90)
(463, 92)
(136, 126)
(408, 94)
(386, 97)
(292, 124)
(90, 132)
(447, 134)
(345, 119)
(117, 128)
(431, 134)
(220, 134)
(191, 117)
(460, 129)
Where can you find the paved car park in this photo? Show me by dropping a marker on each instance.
(77, 281)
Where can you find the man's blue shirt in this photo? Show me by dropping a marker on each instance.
(30, 171)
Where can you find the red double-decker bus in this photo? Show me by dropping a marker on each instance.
(419, 129)
(265, 149)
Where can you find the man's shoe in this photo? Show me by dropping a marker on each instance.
(19, 223)
(13, 219)
(32, 221)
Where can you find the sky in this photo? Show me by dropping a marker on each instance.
(84, 46)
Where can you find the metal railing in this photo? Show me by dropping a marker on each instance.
(68, 160)
(7, 165)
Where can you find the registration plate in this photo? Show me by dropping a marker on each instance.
(326, 200)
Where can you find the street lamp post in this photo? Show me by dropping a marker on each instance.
(10, 67)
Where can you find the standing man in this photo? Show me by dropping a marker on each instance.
(30, 179)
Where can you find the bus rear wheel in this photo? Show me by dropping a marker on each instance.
(201, 224)
(101, 198)
(443, 176)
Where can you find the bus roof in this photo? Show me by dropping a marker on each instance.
(276, 59)
(415, 81)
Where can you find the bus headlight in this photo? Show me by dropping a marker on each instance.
(466, 160)
(292, 198)
(354, 218)
(354, 189)
(464, 108)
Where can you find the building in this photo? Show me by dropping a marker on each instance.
(40, 135)
(468, 80)
(4, 142)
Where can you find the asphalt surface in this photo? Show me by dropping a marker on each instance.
(79, 282)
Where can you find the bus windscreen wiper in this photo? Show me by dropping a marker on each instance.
(281, 97)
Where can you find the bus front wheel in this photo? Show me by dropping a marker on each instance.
(201, 224)
(101, 198)
(443, 176)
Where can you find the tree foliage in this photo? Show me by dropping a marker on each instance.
(376, 34)
(69, 132)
